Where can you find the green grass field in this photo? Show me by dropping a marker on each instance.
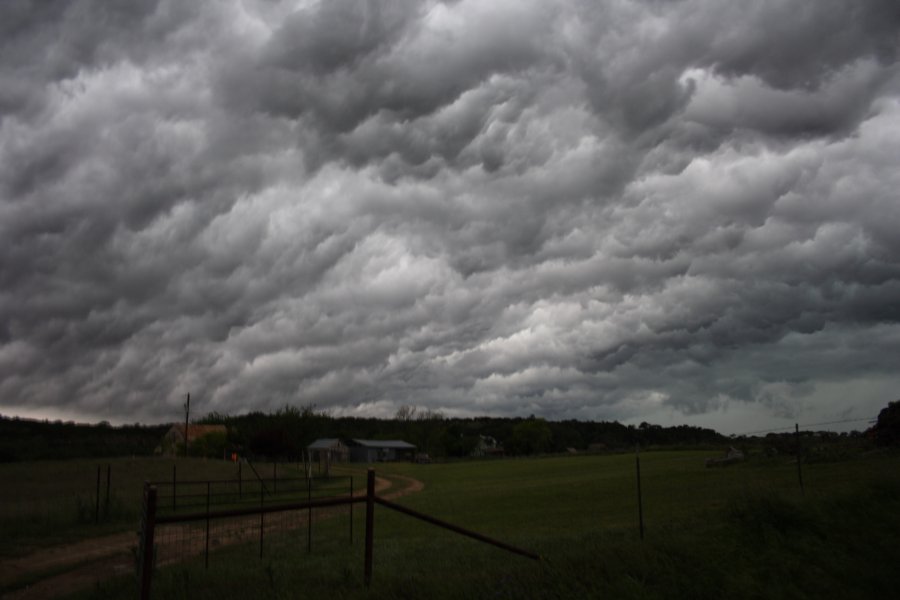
(44, 503)
(743, 531)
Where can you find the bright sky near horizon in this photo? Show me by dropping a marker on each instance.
(640, 210)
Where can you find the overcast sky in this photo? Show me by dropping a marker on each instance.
(672, 211)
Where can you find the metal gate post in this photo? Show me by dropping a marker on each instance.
(799, 453)
(637, 464)
(309, 516)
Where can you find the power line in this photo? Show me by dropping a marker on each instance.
(808, 425)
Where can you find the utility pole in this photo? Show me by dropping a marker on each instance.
(187, 415)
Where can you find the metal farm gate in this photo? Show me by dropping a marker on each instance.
(184, 539)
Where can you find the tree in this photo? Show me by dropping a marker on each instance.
(530, 437)
(887, 428)
(405, 413)
(210, 445)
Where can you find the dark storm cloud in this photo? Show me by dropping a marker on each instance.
(574, 209)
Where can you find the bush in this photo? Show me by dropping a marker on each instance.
(887, 429)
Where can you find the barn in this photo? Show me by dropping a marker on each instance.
(370, 451)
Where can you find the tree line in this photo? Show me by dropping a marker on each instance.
(29, 439)
(285, 434)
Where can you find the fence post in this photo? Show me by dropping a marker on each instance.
(350, 506)
(145, 551)
(799, 453)
(309, 516)
(174, 480)
(370, 524)
(239, 481)
(261, 516)
(275, 477)
(97, 506)
(637, 463)
(207, 525)
(108, 475)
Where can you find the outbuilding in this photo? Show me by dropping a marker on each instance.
(172, 443)
(328, 450)
(370, 451)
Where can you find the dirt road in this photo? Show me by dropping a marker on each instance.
(61, 570)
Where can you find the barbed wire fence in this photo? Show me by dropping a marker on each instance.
(807, 426)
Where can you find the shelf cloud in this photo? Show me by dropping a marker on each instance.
(636, 210)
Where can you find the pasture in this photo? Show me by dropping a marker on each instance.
(44, 503)
(742, 531)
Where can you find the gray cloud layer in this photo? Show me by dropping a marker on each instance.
(576, 209)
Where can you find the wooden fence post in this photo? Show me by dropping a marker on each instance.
(261, 517)
(97, 506)
(145, 551)
(108, 477)
(206, 555)
(350, 506)
(370, 524)
(309, 516)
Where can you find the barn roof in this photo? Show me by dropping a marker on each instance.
(324, 444)
(388, 444)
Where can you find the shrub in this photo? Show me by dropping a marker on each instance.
(887, 428)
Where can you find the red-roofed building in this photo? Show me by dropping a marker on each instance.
(173, 442)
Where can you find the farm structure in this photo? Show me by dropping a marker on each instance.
(369, 451)
(329, 450)
(165, 540)
(175, 436)
(487, 446)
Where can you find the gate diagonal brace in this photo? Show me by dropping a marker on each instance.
(456, 528)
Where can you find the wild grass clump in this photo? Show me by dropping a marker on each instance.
(761, 514)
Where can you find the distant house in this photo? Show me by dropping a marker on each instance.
(369, 451)
(487, 446)
(329, 450)
(173, 442)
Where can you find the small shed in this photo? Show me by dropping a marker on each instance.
(328, 450)
(369, 451)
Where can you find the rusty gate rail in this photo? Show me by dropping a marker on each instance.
(456, 529)
(251, 510)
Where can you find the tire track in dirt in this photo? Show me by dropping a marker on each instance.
(90, 561)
